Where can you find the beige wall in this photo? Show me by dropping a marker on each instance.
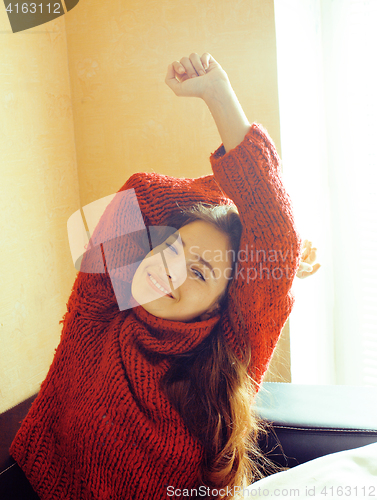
(93, 89)
(126, 119)
(39, 191)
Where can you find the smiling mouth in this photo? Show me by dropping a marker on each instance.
(158, 286)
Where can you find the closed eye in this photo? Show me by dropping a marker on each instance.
(198, 274)
(171, 248)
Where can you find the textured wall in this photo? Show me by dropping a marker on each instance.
(38, 192)
(126, 118)
(111, 57)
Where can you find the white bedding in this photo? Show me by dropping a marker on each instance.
(350, 474)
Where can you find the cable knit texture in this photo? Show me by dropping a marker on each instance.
(101, 428)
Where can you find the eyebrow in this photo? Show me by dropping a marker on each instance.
(202, 261)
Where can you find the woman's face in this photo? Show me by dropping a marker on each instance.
(196, 271)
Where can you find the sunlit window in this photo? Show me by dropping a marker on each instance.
(327, 95)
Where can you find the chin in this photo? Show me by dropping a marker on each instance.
(160, 313)
(154, 309)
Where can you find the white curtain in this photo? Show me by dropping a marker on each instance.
(327, 95)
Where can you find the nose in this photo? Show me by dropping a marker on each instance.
(168, 271)
(176, 271)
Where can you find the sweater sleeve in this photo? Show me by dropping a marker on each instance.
(260, 298)
(119, 242)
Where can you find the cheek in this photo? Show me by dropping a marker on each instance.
(149, 260)
(190, 291)
(199, 294)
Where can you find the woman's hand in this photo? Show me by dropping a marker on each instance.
(196, 76)
(308, 258)
(203, 77)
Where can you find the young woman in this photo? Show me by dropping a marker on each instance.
(151, 397)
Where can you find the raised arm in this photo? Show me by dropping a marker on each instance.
(215, 89)
(247, 168)
(203, 77)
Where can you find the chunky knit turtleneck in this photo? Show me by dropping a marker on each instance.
(101, 427)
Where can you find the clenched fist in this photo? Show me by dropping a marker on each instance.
(196, 76)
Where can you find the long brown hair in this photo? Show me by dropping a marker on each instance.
(211, 389)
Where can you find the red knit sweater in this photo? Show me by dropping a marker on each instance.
(101, 428)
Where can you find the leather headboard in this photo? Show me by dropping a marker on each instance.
(310, 421)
